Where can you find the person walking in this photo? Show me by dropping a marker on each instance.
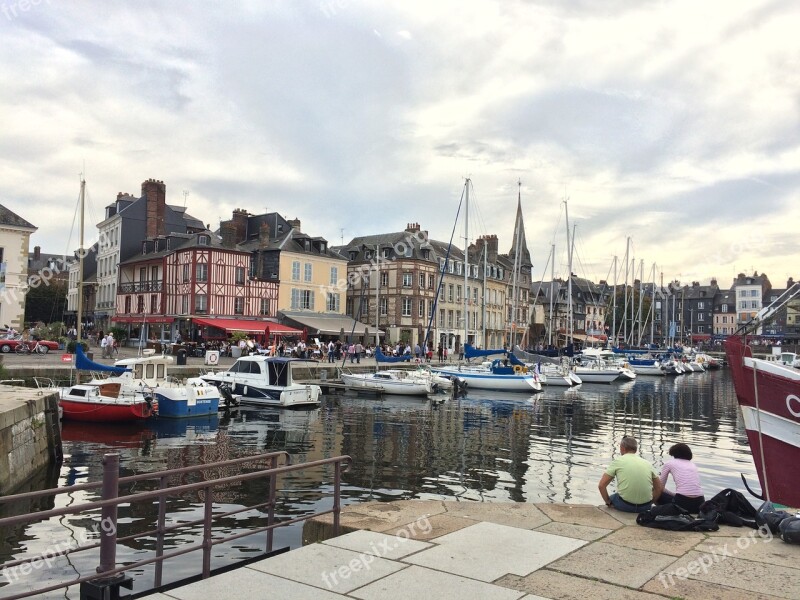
(103, 346)
(359, 350)
(331, 350)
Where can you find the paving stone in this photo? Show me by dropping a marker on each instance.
(418, 582)
(614, 564)
(513, 514)
(751, 546)
(580, 532)
(625, 518)
(248, 583)
(579, 514)
(561, 586)
(440, 525)
(691, 589)
(378, 544)
(486, 551)
(675, 543)
(327, 567)
(747, 575)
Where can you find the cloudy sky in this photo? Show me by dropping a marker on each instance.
(672, 122)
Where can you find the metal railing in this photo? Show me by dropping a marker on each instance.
(140, 286)
(108, 574)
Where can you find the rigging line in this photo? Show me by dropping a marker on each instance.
(444, 266)
(67, 251)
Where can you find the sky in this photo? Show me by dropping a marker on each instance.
(672, 123)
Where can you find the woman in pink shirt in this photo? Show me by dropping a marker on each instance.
(688, 493)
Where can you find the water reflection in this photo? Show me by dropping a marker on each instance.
(483, 447)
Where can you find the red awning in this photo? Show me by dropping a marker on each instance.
(249, 326)
(143, 319)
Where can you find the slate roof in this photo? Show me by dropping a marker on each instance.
(12, 219)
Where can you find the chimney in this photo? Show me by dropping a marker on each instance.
(155, 193)
(294, 224)
(789, 282)
(227, 230)
(240, 219)
(412, 227)
(491, 247)
(37, 252)
(263, 235)
(713, 281)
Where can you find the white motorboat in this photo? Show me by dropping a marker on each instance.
(389, 381)
(266, 381)
(497, 376)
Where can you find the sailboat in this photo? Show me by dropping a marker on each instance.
(97, 401)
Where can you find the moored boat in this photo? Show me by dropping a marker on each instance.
(86, 402)
(497, 376)
(389, 381)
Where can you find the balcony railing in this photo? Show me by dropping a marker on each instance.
(140, 286)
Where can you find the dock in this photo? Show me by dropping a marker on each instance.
(447, 549)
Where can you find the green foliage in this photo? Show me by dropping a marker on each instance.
(119, 333)
(238, 335)
(73, 343)
(52, 332)
(45, 302)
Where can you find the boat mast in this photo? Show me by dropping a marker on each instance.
(625, 292)
(569, 280)
(466, 265)
(552, 288)
(641, 298)
(483, 310)
(79, 308)
(378, 296)
(614, 306)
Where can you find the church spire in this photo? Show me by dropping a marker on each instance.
(519, 234)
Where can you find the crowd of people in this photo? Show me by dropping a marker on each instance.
(639, 486)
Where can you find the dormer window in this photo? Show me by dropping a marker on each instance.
(144, 247)
(426, 254)
(353, 255)
(368, 254)
(387, 252)
(307, 245)
(203, 240)
(323, 247)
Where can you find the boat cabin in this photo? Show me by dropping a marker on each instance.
(152, 370)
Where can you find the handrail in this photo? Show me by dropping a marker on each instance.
(109, 576)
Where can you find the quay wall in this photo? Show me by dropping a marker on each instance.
(30, 438)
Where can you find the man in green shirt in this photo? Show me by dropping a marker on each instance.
(638, 485)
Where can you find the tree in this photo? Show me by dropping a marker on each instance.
(46, 302)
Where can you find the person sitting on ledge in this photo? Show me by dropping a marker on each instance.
(688, 492)
(637, 482)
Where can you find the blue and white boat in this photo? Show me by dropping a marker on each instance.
(498, 375)
(175, 399)
(266, 381)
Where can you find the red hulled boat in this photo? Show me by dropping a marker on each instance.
(88, 403)
(769, 396)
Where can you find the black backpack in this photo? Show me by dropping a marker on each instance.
(674, 518)
(730, 507)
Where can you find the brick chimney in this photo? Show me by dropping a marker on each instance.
(227, 230)
(412, 227)
(240, 219)
(294, 224)
(263, 235)
(155, 193)
(491, 243)
(37, 252)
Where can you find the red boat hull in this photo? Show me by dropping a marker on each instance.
(769, 396)
(102, 412)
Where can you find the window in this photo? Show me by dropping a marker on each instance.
(384, 278)
(332, 304)
(302, 299)
(264, 309)
(296, 270)
(185, 272)
(441, 317)
(743, 304)
(203, 240)
(426, 254)
(475, 295)
(200, 303)
(387, 252)
(753, 293)
(458, 318)
(701, 329)
(421, 311)
(723, 308)
(384, 306)
(406, 279)
(334, 275)
(701, 317)
(406, 307)
(701, 305)
(431, 282)
(185, 304)
(140, 304)
(421, 280)
(153, 304)
(307, 272)
(154, 273)
(202, 272)
(458, 293)
(143, 274)
(754, 304)
(238, 306)
(449, 292)
(219, 304)
(239, 275)
(450, 318)
(128, 304)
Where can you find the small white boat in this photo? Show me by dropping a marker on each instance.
(390, 381)
(497, 376)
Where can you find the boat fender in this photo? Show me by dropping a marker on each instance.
(517, 369)
(244, 391)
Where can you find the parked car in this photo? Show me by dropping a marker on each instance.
(7, 346)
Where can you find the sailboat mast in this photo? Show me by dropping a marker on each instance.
(483, 310)
(569, 279)
(552, 288)
(378, 296)
(625, 291)
(641, 298)
(79, 325)
(614, 306)
(466, 263)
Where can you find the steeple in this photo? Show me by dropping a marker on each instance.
(519, 233)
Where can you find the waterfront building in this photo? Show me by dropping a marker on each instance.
(15, 234)
(127, 222)
(697, 310)
(724, 317)
(590, 303)
(785, 324)
(751, 291)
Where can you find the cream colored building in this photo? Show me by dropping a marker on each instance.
(15, 234)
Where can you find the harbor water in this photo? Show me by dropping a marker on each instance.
(485, 447)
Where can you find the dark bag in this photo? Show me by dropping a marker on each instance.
(789, 530)
(731, 508)
(770, 517)
(674, 518)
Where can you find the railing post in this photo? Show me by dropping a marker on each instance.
(337, 491)
(273, 483)
(107, 587)
(162, 517)
(207, 545)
